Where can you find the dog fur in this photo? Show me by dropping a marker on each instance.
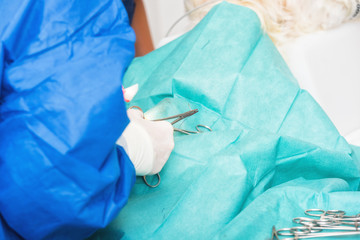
(284, 20)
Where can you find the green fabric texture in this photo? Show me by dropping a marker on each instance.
(272, 154)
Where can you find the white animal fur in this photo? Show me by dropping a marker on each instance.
(284, 20)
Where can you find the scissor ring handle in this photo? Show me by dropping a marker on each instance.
(136, 107)
(337, 213)
(152, 186)
(285, 232)
(304, 230)
(302, 220)
(309, 212)
(203, 126)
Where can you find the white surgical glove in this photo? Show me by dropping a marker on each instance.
(147, 143)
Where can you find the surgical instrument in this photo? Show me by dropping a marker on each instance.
(182, 116)
(179, 117)
(329, 223)
(188, 132)
(318, 235)
(321, 213)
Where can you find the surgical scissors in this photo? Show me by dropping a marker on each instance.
(321, 213)
(330, 218)
(297, 236)
(334, 222)
(188, 132)
(179, 117)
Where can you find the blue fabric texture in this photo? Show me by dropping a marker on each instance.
(272, 154)
(62, 110)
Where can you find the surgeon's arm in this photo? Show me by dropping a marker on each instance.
(62, 175)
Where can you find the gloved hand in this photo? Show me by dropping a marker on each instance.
(147, 143)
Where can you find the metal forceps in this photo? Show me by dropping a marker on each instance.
(182, 116)
(334, 218)
(179, 117)
(322, 213)
(331, 223)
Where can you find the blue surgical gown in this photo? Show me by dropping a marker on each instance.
(61, 112)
